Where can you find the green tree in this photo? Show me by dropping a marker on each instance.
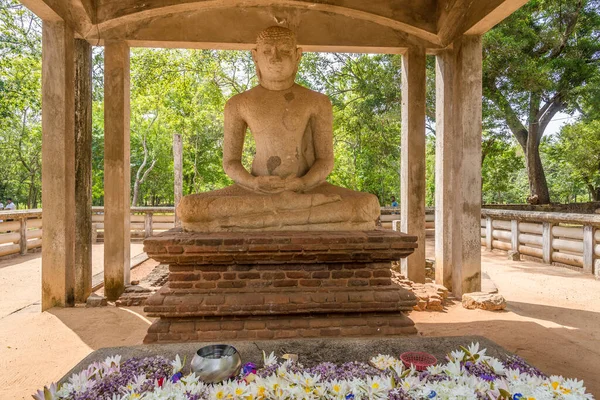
(578, 149)
(536, 63)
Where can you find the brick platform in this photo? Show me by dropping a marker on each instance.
(246, 285)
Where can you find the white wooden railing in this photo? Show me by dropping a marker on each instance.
(20, 231)
(144, 222)
(553, 238)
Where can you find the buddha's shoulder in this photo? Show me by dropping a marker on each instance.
(315, 98)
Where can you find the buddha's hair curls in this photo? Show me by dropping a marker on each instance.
(275, 33)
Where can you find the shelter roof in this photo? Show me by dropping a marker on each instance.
(386, 26)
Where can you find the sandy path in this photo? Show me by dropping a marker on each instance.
(552, 320)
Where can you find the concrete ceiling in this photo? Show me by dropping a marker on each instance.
(386, 26)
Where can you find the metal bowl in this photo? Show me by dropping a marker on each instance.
(216, 363)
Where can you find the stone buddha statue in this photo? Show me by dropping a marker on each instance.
(293, 130)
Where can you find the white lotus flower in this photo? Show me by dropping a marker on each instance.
(270, 360)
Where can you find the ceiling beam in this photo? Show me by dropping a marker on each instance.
(78, 14)
(486, 20)
(316, 31)
(420, 24)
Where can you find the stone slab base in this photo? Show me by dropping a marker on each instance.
(310, 351)
(168, 330)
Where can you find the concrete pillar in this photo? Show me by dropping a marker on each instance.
(458, 166)
(116, 169)
(178, 169)
(412, 190)
(83, 170)
(445, 149)
(468, 95)
(58, 165)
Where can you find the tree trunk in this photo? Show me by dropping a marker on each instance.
(535, 172)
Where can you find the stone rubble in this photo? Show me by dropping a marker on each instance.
(483, 301)
(430, 296)
(137, 293)
(95, 300)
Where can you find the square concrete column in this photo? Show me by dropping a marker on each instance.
(83, 170)
(412, 186)
(458, 166)
(116, 169)
(446, 147)
(58, 165)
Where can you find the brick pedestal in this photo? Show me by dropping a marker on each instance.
(247, 285)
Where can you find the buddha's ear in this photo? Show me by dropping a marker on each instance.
(298, 53)
(254, 55)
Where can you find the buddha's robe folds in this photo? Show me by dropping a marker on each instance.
(323, 208)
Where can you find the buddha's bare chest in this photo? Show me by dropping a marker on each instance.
(280, 115)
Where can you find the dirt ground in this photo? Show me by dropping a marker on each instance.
(552, 320)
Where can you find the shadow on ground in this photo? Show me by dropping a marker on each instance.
(118, 326)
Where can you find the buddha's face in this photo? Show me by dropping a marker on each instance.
(277, 59)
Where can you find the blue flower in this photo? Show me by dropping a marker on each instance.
(350, 396)
(517, 396)
(432, 394)
(175, 378)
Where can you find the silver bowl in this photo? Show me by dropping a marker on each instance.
(216, 363)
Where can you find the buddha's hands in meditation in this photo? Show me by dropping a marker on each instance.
(275, 184)
(268, 184)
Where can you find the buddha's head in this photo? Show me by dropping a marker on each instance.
(276, 57)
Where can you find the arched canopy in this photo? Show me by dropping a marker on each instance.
(386, 26)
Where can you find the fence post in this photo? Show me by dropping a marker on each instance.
(489, 232)
(588, 249)
(514, 240)
(547, 242)
(23, 232)
(148, 224)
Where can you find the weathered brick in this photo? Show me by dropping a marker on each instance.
(244, 298)
(276, 298)
(218, 258)
(284, 334)
(380, 281)
(248, 275)
(241, 267)
(361, 296)
(265, 334)
(214, 300)
(386, 296)
(232, 325)
(320, 275)
(183, 326)
(382, 273)
(309, 282)
(330, 332)
(204, 325)
(174, 249)
(299, 298)
(211, 276)
(254, 325)
(285, 283)
(272, 275)
(358, 282)
(297, 274)
(365, 274)
(231, 284)
(290, 247)
(229, 276)
(344, 274)
(181, 285)
(205, 285)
